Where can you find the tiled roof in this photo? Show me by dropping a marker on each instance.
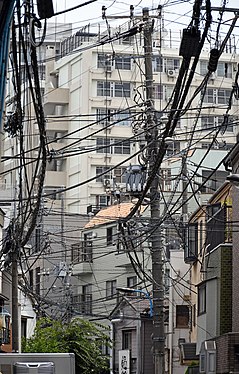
(110, 214)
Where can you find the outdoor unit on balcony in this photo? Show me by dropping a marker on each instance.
(107, 182)
(171, 73)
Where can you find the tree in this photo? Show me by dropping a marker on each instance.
(83, 338)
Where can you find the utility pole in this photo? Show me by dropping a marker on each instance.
(156, 249)
(15, 327)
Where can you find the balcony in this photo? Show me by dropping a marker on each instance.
(55, 178)
(57, 96)
(82, 268)
(54, 123)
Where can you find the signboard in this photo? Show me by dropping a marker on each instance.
(124, 361)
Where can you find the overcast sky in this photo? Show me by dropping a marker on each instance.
(176, 13)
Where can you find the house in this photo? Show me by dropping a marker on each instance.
(210, 253)
(131, 332)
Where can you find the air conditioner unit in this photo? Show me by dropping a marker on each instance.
(106, 182)
(171, 73)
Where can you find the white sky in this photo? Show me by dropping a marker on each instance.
(177, 13)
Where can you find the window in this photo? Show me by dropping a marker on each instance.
(103, 88)
(168, 91)
(86, 299)
(193, 239)
(101, 200)
(182, 316)
(194, 315)
(121, 147)
(104, 60)
(113, 146)
(218, 228)
(113, 116)
(109, 235)
(87, 255)
(132, 281)
(122, 89)
(38, 233)
(23, 327)
(173, 148)
(165, 179)
(119, 174)
(207, 122)
(224, 69)
(110, 289)
(201, 226)
(100, 170)
(209, 96)
(158, 91)
(82, 303)
(171, 64)
(203, 67)
(223, 96)
(122, 118)
(122, 62)
(75, 252)
(82, 251)
(226, 122)
(37, 278)
(202, 299)
(31, 278)
(214, 96)
(127, 339)
(167, 280)
(157, 64)
(113, 89)
(103, 145)
(163, 92)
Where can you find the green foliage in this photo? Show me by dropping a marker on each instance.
(80, 337)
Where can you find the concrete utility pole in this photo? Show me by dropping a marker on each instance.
(15, 326)
(156, 250)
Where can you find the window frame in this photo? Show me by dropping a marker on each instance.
(113, 89)
(127, 338)
(182, 315)
(122, 62)
(202, 305)
(109, 235)
(110, 289)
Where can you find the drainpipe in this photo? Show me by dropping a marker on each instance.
(112, 338)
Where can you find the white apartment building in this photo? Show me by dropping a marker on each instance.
(94, 105)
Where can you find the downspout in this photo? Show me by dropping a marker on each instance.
(112, 339)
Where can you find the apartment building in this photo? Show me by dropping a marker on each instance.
(94, 101)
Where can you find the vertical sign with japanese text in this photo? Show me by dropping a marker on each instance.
(124, 361)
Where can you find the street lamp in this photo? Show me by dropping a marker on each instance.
(146, 294)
